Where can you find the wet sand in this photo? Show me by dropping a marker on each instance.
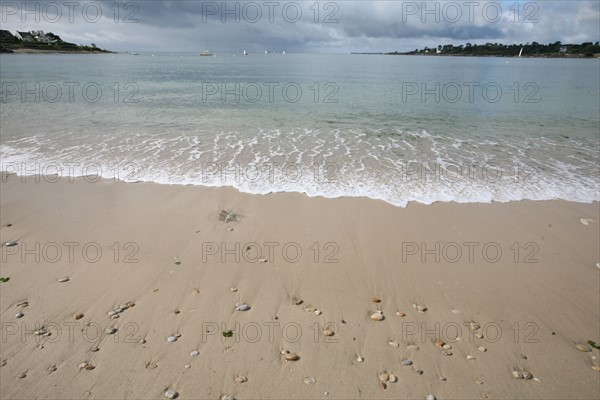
(524, 272)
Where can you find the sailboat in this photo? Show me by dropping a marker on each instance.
(207, 52)
(245, 53)
(521, 52)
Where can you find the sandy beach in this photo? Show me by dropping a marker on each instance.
(509, 291)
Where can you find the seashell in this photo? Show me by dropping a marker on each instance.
(227, 397)
(177, 311)
(443, 378)
(394, 344)
(479, 335)
(400, 314)
(406, 362)
(291, 357)
(23, 303)
(195, 353)
(241, 379)
(262, 260)
(384, 377)
(420, 307)
(171, 394)
(376, 300)
(78, 316)
(310, 380)
(585, 221)
(482, 349)
(517, 374)
(2, 363)
(124, 306)
(378, 316)
(430, 397)
(94, 348)
(455, 311)
(142, 341)
(242, 307)
(172, 339)
(393, 378)
(52, 368)
(310, 309)
(419, 371)
(40, 332)
(360, 359)
(115, 316)
(527, 375)
(479, 382)
(583, 347)
(86, 366)
(318, 312)
(474, 326)
(22, 375)
(328, 332)
(595, 368)
(111, 313)
(447, 346)
(10, 244)
(187, 366)
(63, 279)
(111, 330)
(470, 357)
(19, 315)
(296, 301)
(440, 343)
(234, 289)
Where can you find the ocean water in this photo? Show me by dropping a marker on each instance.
(394, 128)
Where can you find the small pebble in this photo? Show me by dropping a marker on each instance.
(78, 316)
(440, 343)
(523, 356)
(517, 375)
(234, 289)
(479, 335)
(419, 371)
(63, 279)
(241, 379)
(187, 366)
(296, 301)
(10, 244)
(455, 311)
(447, 353)
(474, 326)
(470, 357)
(394, 344)
(482, 349)
(111, 330)
(227, 397)
(378, 316)
(310, 380)
(142, 341)
(443, 378)
(376, 300)
(583, 347)
(384, 377)
(22, 375)
(2, 363)
(291, 357)
(114, 316)
(242, 307)
(393, 378)
(172, 339)
(111, 313)
(19, 315)
(400, 314)
(171, 394)
(328, 332)
(406, 362)
(23, 303)
(527, 375)
(318, 312)
(430, 397)
(447, 347)
(94, 348)
(479, 382)
(52, 368)
(360, 359)
(195, 353)
(310, 309)
(420, 308)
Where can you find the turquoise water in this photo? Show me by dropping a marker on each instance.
(395, 128)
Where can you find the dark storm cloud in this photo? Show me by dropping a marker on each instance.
(337, 26)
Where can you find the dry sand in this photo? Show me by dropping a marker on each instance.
(538, 310)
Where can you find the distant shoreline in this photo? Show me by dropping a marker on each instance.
(36, 51)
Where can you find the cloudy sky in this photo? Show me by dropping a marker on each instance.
(303, 26)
